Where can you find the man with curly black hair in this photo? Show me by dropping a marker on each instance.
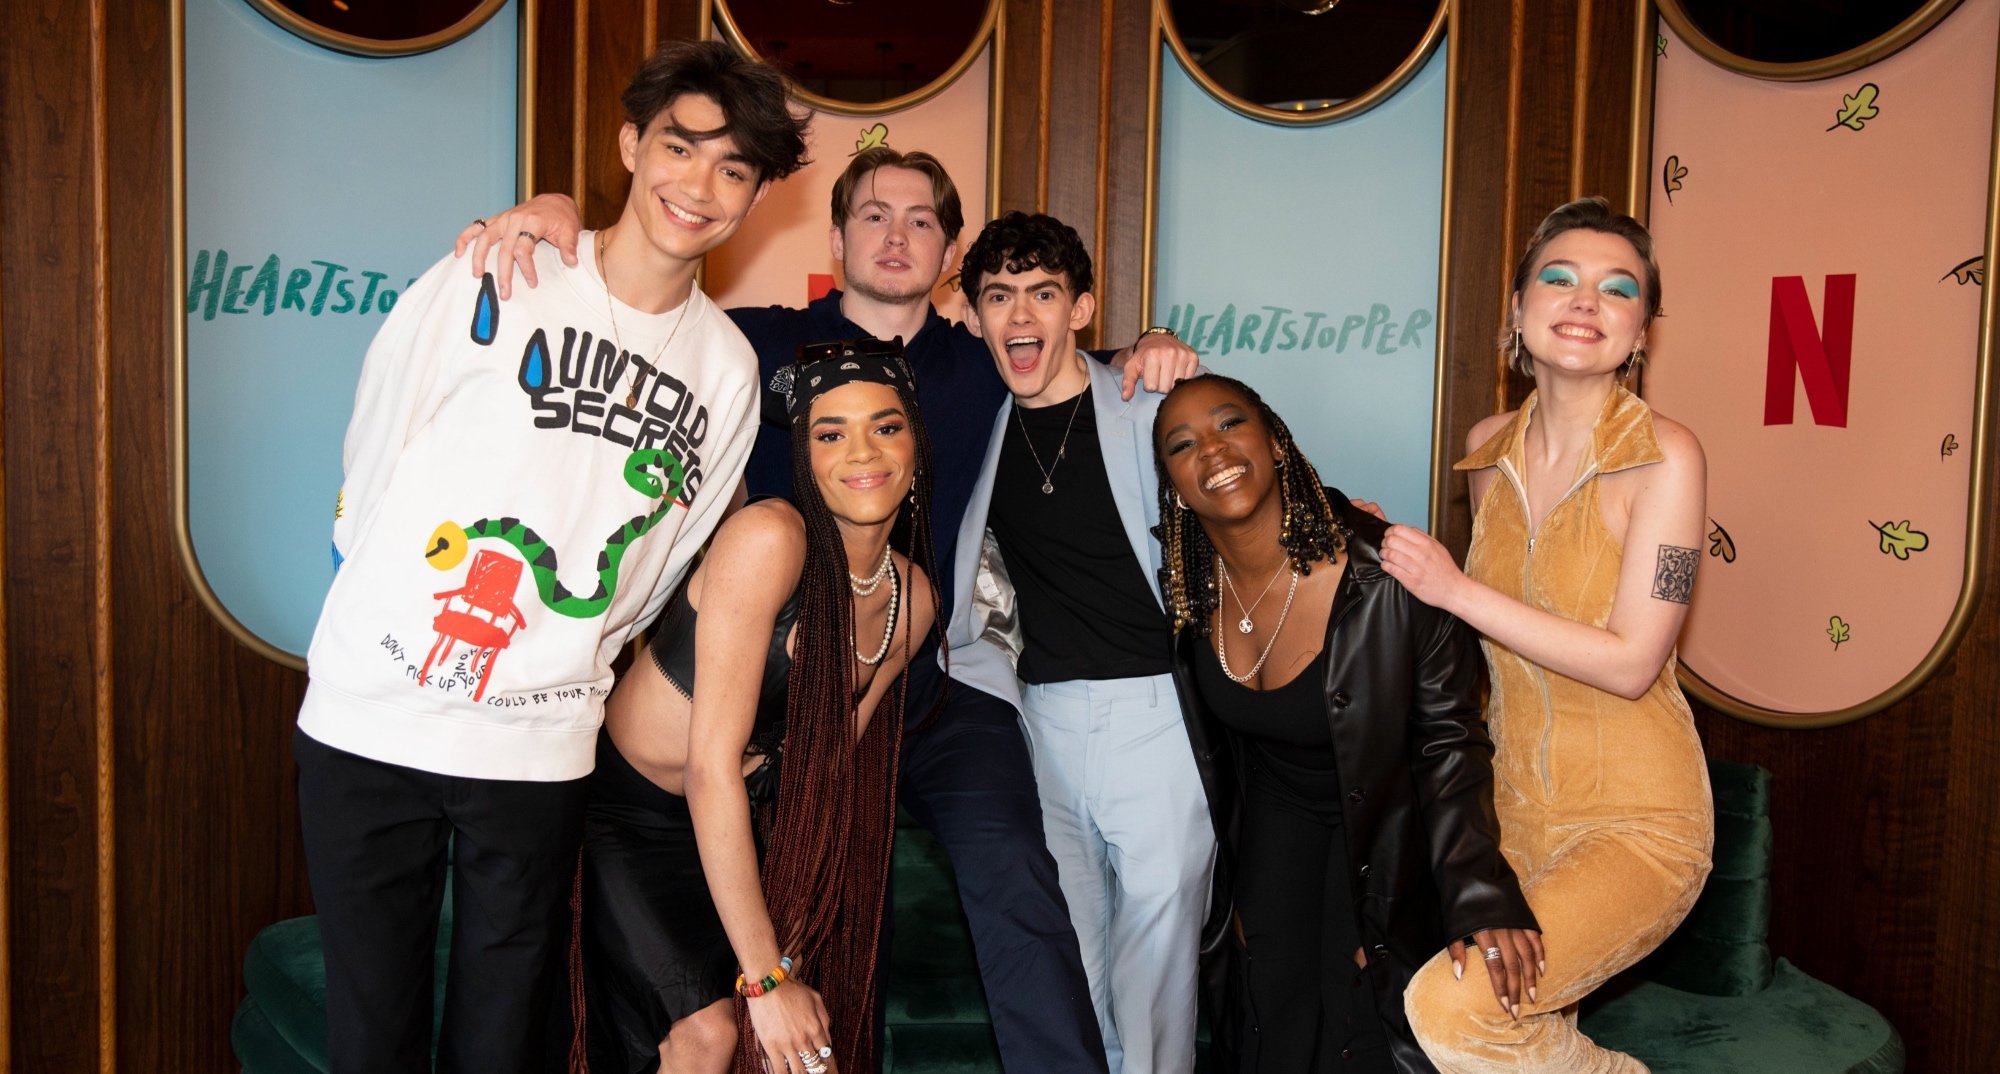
(1069, 494)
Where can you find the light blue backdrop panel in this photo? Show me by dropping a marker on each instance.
(319, 185)
(1304, 261)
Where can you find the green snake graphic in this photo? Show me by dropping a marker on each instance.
(640, 475)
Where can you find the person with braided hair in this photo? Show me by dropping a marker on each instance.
(1335, 723)
(798, 627)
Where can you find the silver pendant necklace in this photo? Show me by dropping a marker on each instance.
(1244, 625)
(1062, 449)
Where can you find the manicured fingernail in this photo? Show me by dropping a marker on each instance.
(1532, 998)
(1541, 967)
(1513, 1011)
(1458, 970)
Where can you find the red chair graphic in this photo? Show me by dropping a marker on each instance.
(481, 614)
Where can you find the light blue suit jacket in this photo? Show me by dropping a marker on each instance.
(1125, 438)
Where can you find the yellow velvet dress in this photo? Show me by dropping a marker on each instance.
(1604, 805)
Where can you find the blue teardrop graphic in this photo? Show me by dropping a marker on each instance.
(486, 315)
(535, 363)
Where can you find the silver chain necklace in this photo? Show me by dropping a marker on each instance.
(1062, 449)
(1222, 657)
(864, 587)
(1244, 625)
(638, 372)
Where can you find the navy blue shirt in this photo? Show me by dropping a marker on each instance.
(958, 391)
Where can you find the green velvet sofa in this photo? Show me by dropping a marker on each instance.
(1711, 1000)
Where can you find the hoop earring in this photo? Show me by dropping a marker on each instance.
(1179, 504)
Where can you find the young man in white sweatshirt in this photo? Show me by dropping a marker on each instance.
(526, 480)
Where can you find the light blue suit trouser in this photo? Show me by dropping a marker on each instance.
(1126, 820)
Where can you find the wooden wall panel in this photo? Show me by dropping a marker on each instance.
(51, 177)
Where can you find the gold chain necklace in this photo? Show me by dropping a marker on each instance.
(638, 372)
(1062, 449)
(1223, 658)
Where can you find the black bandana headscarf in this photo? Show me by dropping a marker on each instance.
(822, 367)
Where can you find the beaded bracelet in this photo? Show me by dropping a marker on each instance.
(753, 989)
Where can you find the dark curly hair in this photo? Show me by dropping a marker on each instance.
(755, 101)
(1309, 533)
(1021, 241)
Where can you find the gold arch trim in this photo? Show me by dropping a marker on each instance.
(1433, 37)
(1881, 48)
(368, 46)
(1353, 106)
(1973, 577)
(177, 314)
(725, 26)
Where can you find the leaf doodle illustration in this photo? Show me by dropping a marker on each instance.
(1837, 630)
(1972, 270)
(1899, 540)
(1720, 544)
(1671, 176)
(1950, 445)
(1660, 45)
(1857, 108)
(870, 138)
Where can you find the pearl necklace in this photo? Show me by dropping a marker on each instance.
(638, 373)
(888, 623)
(864, 587)
(1244, 625)
(1223, 658)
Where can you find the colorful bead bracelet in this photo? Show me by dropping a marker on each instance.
(753, 989)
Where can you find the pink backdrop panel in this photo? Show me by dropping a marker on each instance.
(1882, 175)
(785, 243)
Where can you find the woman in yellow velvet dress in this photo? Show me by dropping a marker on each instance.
(1588, 516)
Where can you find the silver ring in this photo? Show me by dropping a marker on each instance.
(1492, 954)
(805, 1056)
(813, 1065)
(528, 235)
(826, 1051)
(480, 220)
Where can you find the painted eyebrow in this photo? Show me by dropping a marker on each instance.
(836, 419)
(1574, 267)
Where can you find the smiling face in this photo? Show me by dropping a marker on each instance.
(691, 189)
(1219, 454)
(1583, 310)
(1029, 321)
(891, 244)
(863, 454)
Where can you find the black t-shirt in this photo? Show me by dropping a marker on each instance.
(1086, 610)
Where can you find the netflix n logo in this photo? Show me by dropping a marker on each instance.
(1822, 353)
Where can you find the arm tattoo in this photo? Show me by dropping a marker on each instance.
(1673, 579)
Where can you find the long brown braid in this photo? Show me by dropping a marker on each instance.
(1309, 532)
(826, 865)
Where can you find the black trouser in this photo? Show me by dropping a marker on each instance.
(968, 780)
(376, 838)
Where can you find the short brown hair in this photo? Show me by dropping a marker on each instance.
(944, 192)
(1588, 214)
(755, 101)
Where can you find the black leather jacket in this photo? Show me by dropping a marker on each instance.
(1402, 698)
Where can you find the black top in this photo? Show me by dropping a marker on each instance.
(1086, 610)
(672, 648)
(1283, 734)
